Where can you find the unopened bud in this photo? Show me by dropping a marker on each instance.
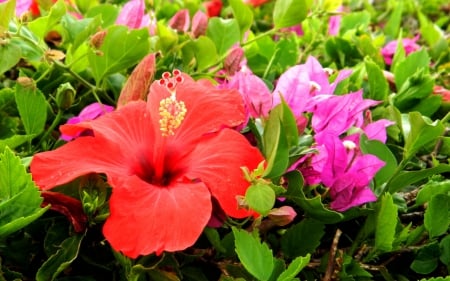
(65, 96)
(98, 38)
(180, 21)
(26, 82)
(199, 24)
(233, 60)
(282, 216)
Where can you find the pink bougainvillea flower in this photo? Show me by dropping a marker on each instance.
(180, 21)
(409, 45)
(88, 113)
(133, 15)
(336, 114)
(302, 82)
(256, 94)
(282, 216)
(23, 6)
(165, 160)
(199, 24)
(347, 172)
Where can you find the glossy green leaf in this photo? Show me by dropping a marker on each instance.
(224, 33)
(393, 24)
(14, 141)
(415, 89)
(288, 13)
(294, 268)
(44, 24)
(205, 52)
(436, 218)
(427, 259)
(405, 178)
(386, 223)
(444, 245)
(313, 207)
(260, 197)
(410, 65)
(422, 132)
(61, 260)
(32, 107)
(378, 85)
(79, 30)
(108, 13)
(255, 256)
(310, 230)
(20, 199)
(7, 10)
(121, 48)
(430, 189)
(10, 56)
(243, 14)
(355, 20)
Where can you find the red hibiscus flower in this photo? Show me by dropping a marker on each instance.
(166, 160)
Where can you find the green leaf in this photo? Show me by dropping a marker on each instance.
(426, 260)
(205, 52)
(386, 223)
(414, 90)
(355, 20)
(288, 13)
(14, 141)
(44, 24)
(59, 261)
(313, 207)
(243, 14)
(108, 13)
(378, 85)
(260, 197)
(10, 55)
(224, 33)
(430, 189)
(32, 107)
(436, 218)
(410, 65)
(444, 245)
(20, 199)
(422, 132)
(121, 49)
(393, 24)
(280, 133)
(79, 30)
(7, 10)
(405, 178)
(309, 230)
(294, 268)
(255, 256)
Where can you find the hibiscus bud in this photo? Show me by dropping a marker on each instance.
(65, 96)
(180, 21)
(213, 7)
(233, 60)
(26, 82)
(98, 38)
(282, 216)
(199, 24)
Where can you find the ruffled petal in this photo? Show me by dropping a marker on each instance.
(217, 162)
(122, 144)
(145, 218)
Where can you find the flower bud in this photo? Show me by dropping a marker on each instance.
(233, 60)
(97, 39)
(65, 96)
(282, 216)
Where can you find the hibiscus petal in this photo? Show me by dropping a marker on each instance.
(146, 218)
(208, 108)
(216, 161)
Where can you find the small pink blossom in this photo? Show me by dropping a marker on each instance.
(199, 24)
(409, 45)
(180, 21)
(334, 23)
(90, 112)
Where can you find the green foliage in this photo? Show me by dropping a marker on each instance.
(19, 197)
(289, 12)
(224, 33)
(386, 223)
(255, 256)
(309, 230)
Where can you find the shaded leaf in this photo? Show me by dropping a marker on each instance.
(436, 218)
(386, 223)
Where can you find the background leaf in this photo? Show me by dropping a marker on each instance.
(224, 33)
(386, 223)
(255, 256)
(32, 107)
(436, 218)
(288, 13)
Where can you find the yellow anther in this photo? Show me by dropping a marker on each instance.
(172, 113)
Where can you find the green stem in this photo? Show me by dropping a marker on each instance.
(75, 75)
(52, 127)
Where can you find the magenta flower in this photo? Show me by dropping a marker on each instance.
(336, 114)
(347, 172)
(90, 112)
(302, 82)
(409, 45)
(22, 6)
(257, 97)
